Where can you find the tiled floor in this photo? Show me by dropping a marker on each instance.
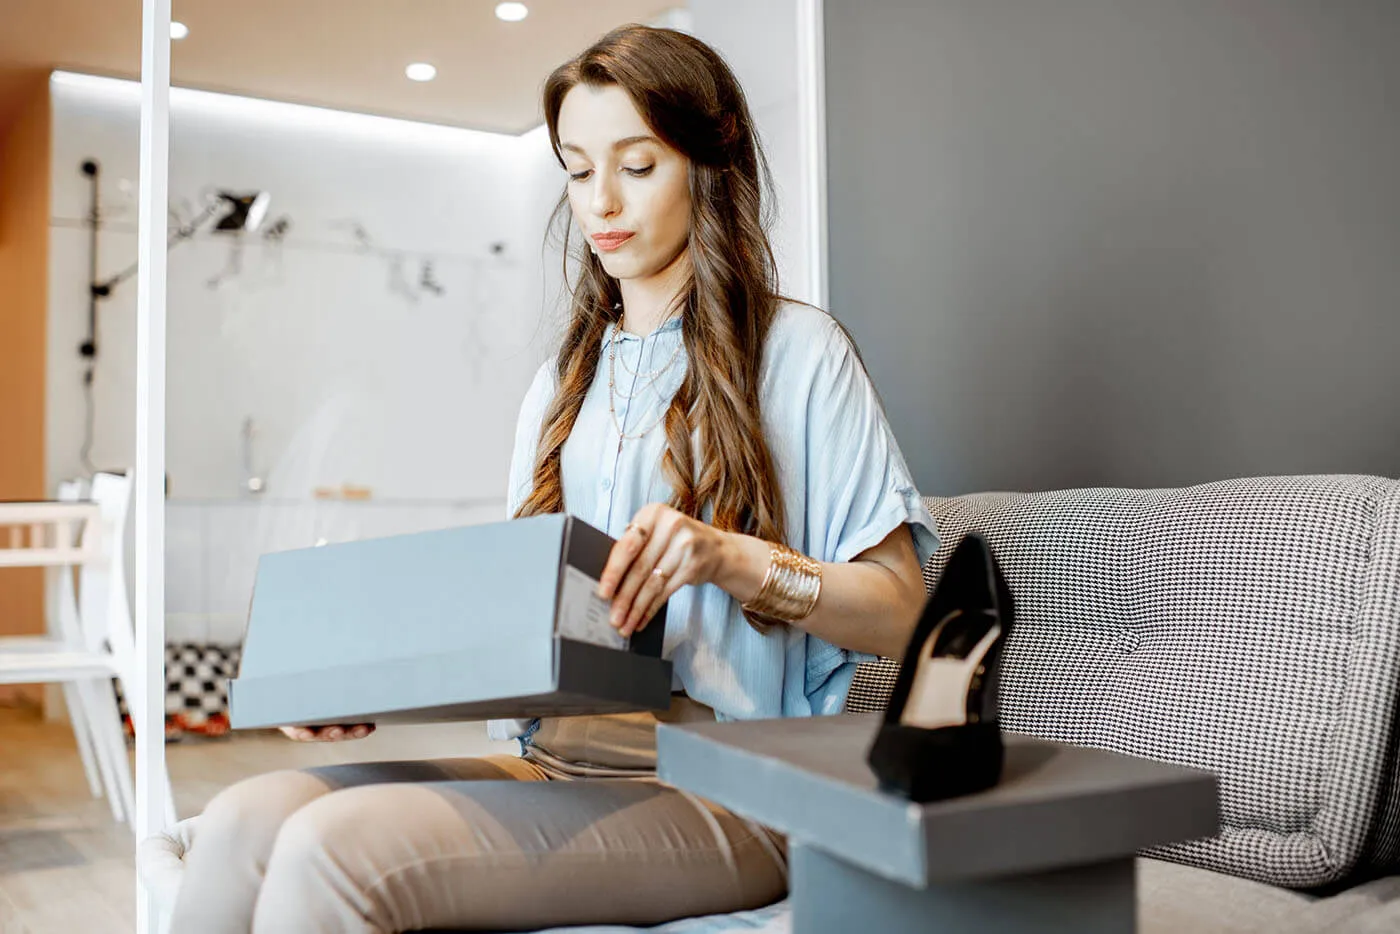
(67, 868)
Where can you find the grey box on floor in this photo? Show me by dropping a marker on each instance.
(1047, 850)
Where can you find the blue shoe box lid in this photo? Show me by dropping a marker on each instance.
(495, 620)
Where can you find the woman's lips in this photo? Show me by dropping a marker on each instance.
(612, 240)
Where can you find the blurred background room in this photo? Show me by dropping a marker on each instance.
(1119, 243)
(360, 288)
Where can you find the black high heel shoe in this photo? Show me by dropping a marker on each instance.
(941, 736)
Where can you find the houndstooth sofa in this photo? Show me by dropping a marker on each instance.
(1250, 627)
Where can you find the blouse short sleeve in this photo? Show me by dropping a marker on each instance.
(859, 488)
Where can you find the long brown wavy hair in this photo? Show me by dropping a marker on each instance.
(691, 100)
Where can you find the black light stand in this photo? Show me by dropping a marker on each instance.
(245, 213)
(88, 348)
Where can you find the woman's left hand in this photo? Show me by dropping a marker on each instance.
(662, 550)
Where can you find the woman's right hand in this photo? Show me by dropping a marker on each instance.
(327, 734)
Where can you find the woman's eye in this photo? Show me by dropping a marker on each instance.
(580, 176)
(638, 173)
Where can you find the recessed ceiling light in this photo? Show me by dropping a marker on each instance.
(512, 12)
(420, 71)
(178, 30)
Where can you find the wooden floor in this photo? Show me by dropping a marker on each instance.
(67, 868)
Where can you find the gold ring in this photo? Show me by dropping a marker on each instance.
(657, 572)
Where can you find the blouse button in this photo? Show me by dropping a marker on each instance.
(607, 483)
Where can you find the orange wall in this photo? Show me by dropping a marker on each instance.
(24, 270)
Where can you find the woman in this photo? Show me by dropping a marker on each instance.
(734, 446)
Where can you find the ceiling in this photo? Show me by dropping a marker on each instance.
(346, 54)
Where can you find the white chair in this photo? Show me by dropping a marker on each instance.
(92, 640)
(61, 625)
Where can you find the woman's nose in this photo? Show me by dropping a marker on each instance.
(605, 199)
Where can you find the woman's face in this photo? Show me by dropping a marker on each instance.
(630, 192)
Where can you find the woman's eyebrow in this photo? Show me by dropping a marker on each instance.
(620, 144)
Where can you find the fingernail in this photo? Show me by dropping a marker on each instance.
(615, 620)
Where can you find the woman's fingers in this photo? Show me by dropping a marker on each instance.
(625, 551)
(327, 734)
(639, 575)
(685, 550)
(637, 613)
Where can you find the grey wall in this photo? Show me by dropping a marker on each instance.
(1127, 242)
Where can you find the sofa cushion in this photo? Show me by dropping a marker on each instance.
(1250, 627)
(1171, 898)
(1174, 898)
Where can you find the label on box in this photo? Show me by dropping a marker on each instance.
(583, 615)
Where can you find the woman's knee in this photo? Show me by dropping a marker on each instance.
(331, 857)
(251, 812)
(363, 827)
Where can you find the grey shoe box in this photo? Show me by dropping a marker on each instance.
(497, 620)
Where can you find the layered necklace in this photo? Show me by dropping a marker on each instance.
(614, 393)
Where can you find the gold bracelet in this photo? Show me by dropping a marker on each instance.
(790, 587)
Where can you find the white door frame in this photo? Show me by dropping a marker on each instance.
(149, 714)
(811, 116)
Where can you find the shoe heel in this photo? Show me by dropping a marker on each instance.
(930, 765)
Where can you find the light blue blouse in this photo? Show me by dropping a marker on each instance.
(844, 482)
